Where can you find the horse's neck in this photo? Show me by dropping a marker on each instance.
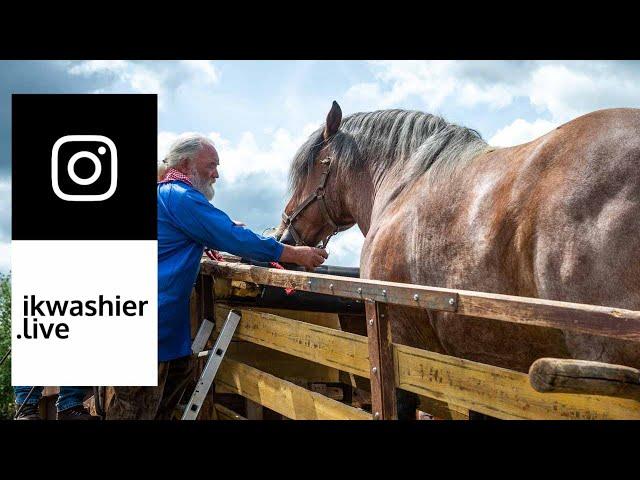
(367, 197)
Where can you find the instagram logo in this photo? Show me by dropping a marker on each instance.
(84, 168)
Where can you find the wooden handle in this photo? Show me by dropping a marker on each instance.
(580, 376)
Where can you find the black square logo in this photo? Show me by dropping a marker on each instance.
(84, 167)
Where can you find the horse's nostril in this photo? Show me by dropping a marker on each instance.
(287, 238)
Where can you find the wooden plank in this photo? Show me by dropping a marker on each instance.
(225, 413)
(496, 391)
(281, 396)
(282, 365)
(428, 297)
(254, 410)
(597, 320)
(442, 410)
(329, 320)
(327, 346)
(383, 392)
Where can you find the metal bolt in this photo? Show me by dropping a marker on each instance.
(374, 369)
(331, 286)
(382, 315)
(371, 322)
(360, 290)
(452, 302)
(384, 293)
(416, 297)
(376, 415)
(309, 283)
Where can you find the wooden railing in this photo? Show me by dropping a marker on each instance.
(482, 388)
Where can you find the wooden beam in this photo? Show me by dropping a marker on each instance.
(281, 396)
(255, 411)
(327, 346)
(383, 378)
(432, 298)
(597, 320)
(582, 376)
(496, 391)
(225, 413)
(442, 410)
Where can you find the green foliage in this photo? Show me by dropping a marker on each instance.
(6, 391)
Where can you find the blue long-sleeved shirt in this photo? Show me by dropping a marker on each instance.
(187, 223)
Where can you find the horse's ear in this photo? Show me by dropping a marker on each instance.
(334, 118)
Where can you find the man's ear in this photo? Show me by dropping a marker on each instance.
(334, 118)
(184, 165)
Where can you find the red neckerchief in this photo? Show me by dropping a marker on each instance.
(173, 174)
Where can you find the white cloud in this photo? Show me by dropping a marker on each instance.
(205, 70)
(246, 156)
(5, 257)
(434, 82)
(344, 249)
(570, 90)
(91, 67)
(521, 131)
(139, 77)
(5, 209)
(560, 90)
(161, 77)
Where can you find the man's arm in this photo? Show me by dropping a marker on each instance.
(212, 227)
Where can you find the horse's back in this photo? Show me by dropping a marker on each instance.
(556, 218)
(586, 209)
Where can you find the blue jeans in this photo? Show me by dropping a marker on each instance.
(67, 398)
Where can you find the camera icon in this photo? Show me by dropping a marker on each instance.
(87, 147)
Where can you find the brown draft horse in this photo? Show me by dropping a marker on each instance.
(556, 218)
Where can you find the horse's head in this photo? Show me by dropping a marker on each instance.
(316, 209)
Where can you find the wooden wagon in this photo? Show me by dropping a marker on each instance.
(290, 359)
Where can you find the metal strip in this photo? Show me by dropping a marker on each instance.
(211, 368)
(204, 332)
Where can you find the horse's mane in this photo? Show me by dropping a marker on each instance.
(410, 141)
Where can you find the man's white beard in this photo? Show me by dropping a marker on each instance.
(203, 185)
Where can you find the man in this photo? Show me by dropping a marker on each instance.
(187, 223)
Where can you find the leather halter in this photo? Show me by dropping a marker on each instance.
(319, 196)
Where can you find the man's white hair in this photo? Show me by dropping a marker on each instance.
(186, 147)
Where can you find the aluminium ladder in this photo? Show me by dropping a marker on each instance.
(216, 354)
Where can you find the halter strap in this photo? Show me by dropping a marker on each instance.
(318, 195)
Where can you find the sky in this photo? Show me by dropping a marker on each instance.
(259, 112)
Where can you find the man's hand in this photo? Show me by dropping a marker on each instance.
(214, 255)
(308, 257)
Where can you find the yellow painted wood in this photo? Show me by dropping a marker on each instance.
(496, 391)
(442, 410)
(467, 385)
(225, 413)
(329, 320)
(327, 346)
(281, 396)
(283, 365)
